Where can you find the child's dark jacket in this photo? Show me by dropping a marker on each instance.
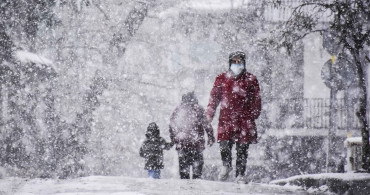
(152, 148)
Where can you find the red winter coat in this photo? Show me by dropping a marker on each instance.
(240, 105)
(187, 126)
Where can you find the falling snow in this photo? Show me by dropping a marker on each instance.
(80, 81)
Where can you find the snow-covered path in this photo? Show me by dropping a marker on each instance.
(135, 186)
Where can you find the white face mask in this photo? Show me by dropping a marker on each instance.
(237, 68)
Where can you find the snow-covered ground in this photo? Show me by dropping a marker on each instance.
(341, 176)
(136, 186)
(324, 183)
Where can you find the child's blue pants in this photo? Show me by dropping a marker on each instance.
(155, 174)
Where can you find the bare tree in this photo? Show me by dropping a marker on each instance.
(349, 23)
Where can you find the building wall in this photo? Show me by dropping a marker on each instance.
(314, 58)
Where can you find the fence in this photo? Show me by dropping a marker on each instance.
(310, 113)
(283, 13)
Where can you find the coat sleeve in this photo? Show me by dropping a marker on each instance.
(165, 145)
(207, 126)
(214, 99)
(142, 153)
(172, 134)
(256, 109)
(209, 131)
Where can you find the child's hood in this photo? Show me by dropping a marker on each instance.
(152, 130)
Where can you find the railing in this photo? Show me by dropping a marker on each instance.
(310, 113)
(282, 13)
(316, 113)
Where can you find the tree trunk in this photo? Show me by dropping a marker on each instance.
(361, 114)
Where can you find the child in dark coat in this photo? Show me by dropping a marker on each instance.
(152, 151)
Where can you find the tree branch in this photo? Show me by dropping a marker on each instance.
(97, 4)
(367, 58)
(298, 9)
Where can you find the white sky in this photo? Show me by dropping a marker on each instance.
(215, 4)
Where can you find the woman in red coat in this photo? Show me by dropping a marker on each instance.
(238, 93)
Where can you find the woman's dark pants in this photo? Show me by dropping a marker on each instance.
(241, 156)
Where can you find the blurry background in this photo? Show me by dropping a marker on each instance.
(82, 79)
